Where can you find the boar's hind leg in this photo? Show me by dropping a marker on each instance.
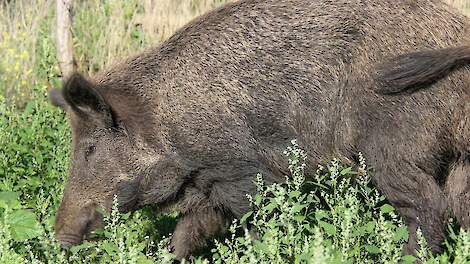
(418, 199)
(458, 191)
(195, 228)
(413, 191)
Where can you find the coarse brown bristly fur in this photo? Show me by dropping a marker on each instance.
(189, 123)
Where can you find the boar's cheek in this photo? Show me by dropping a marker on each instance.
(128, 194)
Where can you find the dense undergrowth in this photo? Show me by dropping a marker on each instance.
(333, 216)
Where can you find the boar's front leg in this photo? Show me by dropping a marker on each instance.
(195, 228)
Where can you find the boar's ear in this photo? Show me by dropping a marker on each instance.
(86, 101)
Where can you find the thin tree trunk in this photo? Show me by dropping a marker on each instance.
(64, 37)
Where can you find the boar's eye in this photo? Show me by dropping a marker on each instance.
(90, 150)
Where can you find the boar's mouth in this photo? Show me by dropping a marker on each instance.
(69, 240)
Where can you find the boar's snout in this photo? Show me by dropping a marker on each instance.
(73, 225)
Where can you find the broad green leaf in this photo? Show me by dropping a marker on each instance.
(320, 214)
(84, 245)
(9, 199)
(297, 208)
(294, 194)
(408, 259)
(245, 216)
(329, 228)
(299, 218)
(370, 227)
(386, 208)
(23, 225)
(110, 248)
(372, 249)
(346, 171)
(261, 247)
(270, 207)
(401, 234)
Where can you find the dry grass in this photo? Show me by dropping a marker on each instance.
(128, 26)
(19, 33)
(464, 5)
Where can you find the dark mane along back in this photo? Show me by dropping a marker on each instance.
(412, 71)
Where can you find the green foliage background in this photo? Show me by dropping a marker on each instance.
(336, 217)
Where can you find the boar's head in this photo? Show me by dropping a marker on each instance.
(102, 163)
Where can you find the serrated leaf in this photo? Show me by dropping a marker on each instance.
(370, 227)
(110, 248)
(372, 249)
(297, 208)
(261, 247)
(270, 207)
(329, 228)
(320, 214)
(258, 199)
(245, 216)
(299, 218)
(23, 225)
(9, 199)
(386, 208)
(401, 234)
(346, 171)
(84, 245)
(408, 259)
(294, 194)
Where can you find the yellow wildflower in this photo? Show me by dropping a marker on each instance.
(25, 55)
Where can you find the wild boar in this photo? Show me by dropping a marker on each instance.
(189, 123)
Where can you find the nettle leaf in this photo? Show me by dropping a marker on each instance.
(23, 225)
(329, 228)
(372, 249)
(84, 246)
(408, 259)
(345, 171)
(245, 216)
(320, 214)
(386, 208)
(271, 206)
(299, 218)
(294, 194)
(109, 247)
(298, 207)
(401, 234)
(10, 200)
(261, 247)
(370, 226)
(258, 199)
